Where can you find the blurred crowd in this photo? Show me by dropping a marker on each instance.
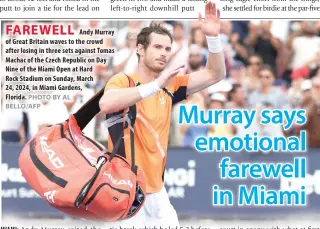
(270, 64)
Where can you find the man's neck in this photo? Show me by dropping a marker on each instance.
(194, 69)
(266, 35)
(237, 105)
(309, 35)
(316, 100)
(179, 41)
(235, 80)
(145, 74)
(307, 102)
(254, 75)
(265, 90)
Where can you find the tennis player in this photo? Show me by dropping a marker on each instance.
(157, 89)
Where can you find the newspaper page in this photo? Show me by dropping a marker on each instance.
(160, 114)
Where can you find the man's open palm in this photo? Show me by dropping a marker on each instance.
(211, 24)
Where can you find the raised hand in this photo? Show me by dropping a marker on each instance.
(211, 24)
(167, 75)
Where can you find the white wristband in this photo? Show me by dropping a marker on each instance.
(214, 44)
(148, 89)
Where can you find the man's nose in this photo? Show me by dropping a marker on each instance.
(163, 53)
(163, 56)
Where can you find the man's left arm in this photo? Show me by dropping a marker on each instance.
(214, 72)
(215, 69)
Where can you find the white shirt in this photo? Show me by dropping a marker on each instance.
(280, 29)
(52, 113)
(11, 119)
(121, 36)
(305, 49)
(121, 56)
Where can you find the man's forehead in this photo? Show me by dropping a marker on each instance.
(162, 39)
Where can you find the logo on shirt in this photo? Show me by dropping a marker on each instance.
(162, 100)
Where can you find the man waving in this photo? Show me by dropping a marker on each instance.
(157, 89)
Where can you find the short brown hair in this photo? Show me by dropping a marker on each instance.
(144, 35)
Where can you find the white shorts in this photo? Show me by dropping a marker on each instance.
(156, 211)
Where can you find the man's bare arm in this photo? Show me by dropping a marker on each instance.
(117, 99)
(214, 72)
(238, 47)
(275, 43)
(215, 69)
(251, 39)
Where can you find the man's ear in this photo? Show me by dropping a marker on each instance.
(140, 50)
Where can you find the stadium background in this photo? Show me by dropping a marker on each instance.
(272, 64)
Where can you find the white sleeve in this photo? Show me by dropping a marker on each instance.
(119, 57)
(121, 36)
(294, 43)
